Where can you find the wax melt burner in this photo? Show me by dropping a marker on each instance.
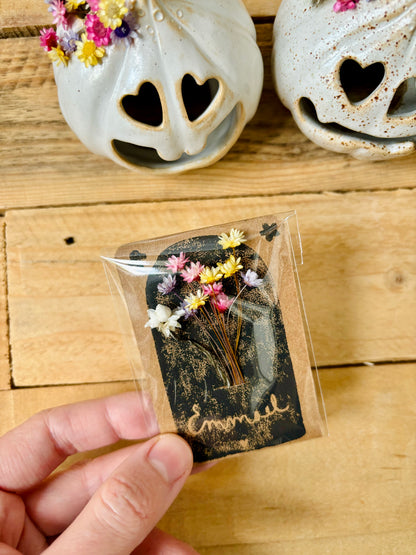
(164, 85)
(348, 76)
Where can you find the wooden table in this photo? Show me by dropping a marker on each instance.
(352, 492)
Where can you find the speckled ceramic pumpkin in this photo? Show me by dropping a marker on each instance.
(349, 77)
(173, 96)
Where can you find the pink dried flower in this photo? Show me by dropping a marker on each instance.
(222, 302)
(48, 39)
(58, 11)
(176, 263)
(191, 273)
(96, 30)
(344, 5)
(94, 5)
(212, 289)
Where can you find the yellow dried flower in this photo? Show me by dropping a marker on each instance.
(193, 302)
(234, 239)
(73, 4)
(58, 55)
(88, 52)
(111, 12)
(209, 275)
(230, 266)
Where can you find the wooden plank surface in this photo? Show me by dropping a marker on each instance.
(44, 164)
(351, 492)
(358, 278)
(34, 12)
(397, 543)
(4, 328)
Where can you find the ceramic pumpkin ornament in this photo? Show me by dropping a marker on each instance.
(161, 84)
(347, 72)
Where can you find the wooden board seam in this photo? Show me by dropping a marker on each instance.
(161, 201)
(44, 386)
(7, 33)
(34, 30)
(333, 367)
(6, 303)
(366, 364)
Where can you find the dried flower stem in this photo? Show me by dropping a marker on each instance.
(219, 354)
(239, 319)
(235, 367)
(238, 378)
(222, 336)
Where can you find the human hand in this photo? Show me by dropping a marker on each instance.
(106, 506)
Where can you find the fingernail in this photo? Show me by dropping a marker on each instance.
(171, 457)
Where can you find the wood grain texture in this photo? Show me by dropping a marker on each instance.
(398, 543)
(43, 163)
(358, 278)
(351, 492)
(4, 328)
(34, 12)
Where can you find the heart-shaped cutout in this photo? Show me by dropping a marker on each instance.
(360, 82)
(144, 107)
(197, 98)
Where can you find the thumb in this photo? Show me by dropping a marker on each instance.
(128, 505)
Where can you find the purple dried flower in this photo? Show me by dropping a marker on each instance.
(168, 285)
(68, 41)
(127, 31)
(188, 313)
(251, 278)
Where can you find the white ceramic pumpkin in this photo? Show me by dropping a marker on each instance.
(349, 77)
(174, 98)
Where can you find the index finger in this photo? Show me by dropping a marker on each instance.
(30, 452)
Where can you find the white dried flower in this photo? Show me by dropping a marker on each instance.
(163, 319)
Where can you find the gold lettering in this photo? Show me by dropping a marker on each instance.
(229, 423)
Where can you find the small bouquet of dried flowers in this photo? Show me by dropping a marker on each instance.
(210, 295)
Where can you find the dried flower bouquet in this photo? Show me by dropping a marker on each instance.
(207, 301)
